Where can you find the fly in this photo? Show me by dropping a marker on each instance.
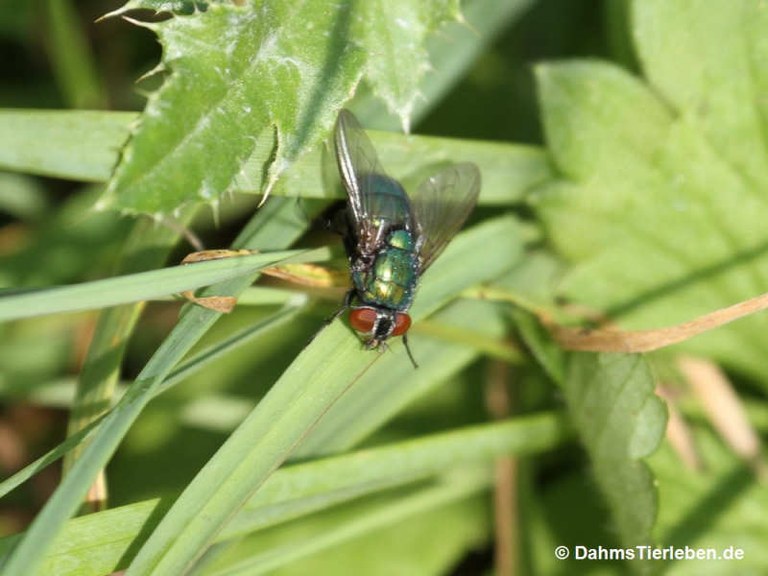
(389, 237)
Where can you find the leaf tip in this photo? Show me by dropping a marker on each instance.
(141, 24)
(122, 10)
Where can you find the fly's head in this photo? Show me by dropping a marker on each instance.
(378, 324)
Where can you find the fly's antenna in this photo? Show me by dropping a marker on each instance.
(408, 349)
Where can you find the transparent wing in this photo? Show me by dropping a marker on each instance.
(358, 165)
(440, 206)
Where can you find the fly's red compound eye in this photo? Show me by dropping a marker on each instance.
(402, 323)
(362, 319)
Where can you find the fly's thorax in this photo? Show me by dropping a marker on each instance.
(402, 240)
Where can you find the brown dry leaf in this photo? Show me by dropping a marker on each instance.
(629, 341)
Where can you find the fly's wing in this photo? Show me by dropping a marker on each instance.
(358, 166)
(441, 204)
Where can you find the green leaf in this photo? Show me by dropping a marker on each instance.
(146, 248)
(620, 421)
(62, 398)
(660, 226)
(456, 528)
(386, 389)
(22, 197)
(239, 74)
(393, 34)
(173, 6)
(717, 86)
(236, 73)
(509, 171)
(450, 53)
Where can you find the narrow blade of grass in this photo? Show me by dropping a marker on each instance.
(79, 145)
(305, 392)
(276, 225)
(98, 543)
(188, 368)
(143, 285)
(84, 146)
(366, 517)
(71, 57)
(146, 248)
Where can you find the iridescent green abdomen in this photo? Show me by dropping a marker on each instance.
(391, 280)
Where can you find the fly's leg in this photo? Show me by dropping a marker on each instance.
(408, 349)
(346, 305)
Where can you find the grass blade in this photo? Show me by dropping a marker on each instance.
(275, 225)
(143, 285)
(99, 543)
(291, 408)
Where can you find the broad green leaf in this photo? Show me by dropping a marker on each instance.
(620, 421)
(450, 53)
(174, 6)
(236, 73)
(660, 227)
(717, 86)
(393, 35)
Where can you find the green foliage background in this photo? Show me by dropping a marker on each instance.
(624, 164)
